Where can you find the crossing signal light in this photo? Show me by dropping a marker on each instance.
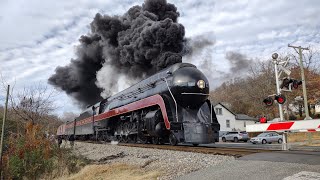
(281, 99)
(290, 83)
(296, 83)
(286, 83)
(268, 101)
(263, 119)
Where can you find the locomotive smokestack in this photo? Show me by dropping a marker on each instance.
(141, 42)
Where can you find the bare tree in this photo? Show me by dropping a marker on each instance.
(34, 103)
(311, 58)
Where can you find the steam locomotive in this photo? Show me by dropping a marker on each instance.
(171, 106)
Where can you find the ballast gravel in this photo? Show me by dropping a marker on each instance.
(170, 164)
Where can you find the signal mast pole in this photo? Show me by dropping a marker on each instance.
(304, 89)
(274, 57)
(284, 135)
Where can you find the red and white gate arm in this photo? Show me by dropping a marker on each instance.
(302, 125)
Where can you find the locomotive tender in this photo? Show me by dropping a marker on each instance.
(169, 106)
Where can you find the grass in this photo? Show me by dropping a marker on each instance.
(317, 144)
(113, 172)
(303, 136)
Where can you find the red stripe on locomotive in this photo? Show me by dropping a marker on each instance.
(143, 103)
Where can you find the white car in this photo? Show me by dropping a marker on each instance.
(235, 136)
(265, 138)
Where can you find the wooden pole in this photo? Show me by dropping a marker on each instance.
(2, 132)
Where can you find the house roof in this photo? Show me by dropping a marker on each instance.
(245, 117)
(242, 117)
(225, 108)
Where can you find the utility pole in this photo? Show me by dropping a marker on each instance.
(2, 132)
(304, 89)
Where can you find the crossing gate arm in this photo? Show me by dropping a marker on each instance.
(301, 125)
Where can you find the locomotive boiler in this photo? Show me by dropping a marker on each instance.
(170, 106)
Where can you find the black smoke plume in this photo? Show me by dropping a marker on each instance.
(141, 42)
(240, 63)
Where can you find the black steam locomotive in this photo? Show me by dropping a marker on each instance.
(169, 106)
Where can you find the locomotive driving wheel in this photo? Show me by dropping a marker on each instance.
(173, 140)
(132, 138)
(155, 140)
(126, 131)
(119, 138)
(125, 139)
(143, 139)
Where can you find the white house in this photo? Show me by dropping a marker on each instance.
(230, 121)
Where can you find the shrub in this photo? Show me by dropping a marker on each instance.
(28, 156)
(34, 156)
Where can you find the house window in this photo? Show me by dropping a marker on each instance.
(228, 123)
(218, 111)
(244, 124)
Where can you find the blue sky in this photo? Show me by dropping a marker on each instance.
(37, 36)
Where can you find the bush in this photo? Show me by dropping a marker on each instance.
(34, 156)
(28, 156)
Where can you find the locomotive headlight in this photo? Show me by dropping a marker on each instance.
(201, 84)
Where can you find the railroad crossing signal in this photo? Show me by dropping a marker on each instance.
(268, 101)
(288, 84)
(263, 119)
(296, 83)
(281, 99)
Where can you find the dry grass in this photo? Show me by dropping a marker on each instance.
(113, 172)
(317, 144)
(302, 136)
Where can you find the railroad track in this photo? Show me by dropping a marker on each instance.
(236, 152)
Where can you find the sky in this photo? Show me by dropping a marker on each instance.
(37, 36)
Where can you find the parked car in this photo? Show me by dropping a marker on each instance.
(235, 136)
(265, 138)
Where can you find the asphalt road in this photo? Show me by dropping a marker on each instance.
(273, 146)
(297, 165)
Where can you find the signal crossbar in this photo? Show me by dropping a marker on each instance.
(302, 126)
